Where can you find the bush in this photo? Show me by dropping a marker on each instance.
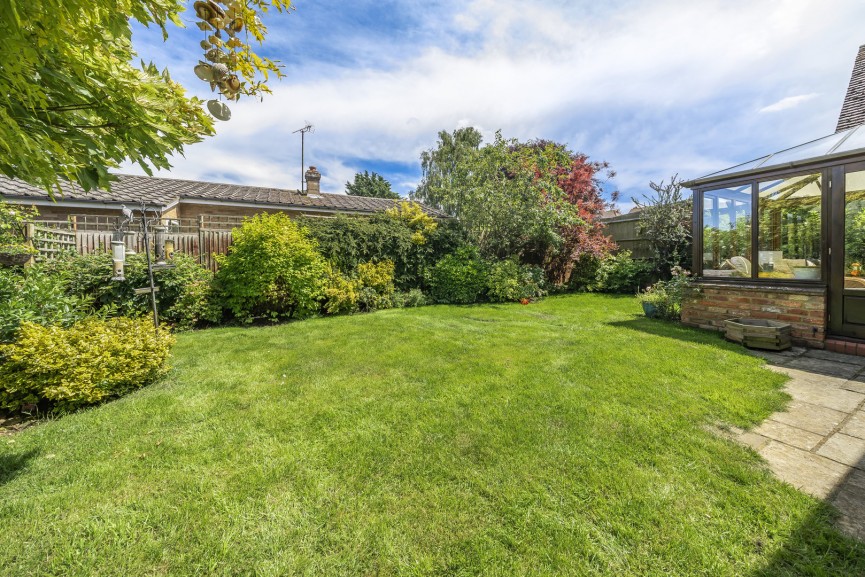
(509, 282)
(272, 270)
(33, 295)
(401, 237)
(370, 288)
(376, 285)
(84, 364)
(458, 278)
(619, 273)
(585, 273)
(185, 296)
(409, 299)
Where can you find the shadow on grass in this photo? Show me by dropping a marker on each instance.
(817, 546)
(13, 464)
(672, 330)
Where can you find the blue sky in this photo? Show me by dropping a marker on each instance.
(653, 87)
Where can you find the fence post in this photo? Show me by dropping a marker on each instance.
(201, 239)
(29, 233)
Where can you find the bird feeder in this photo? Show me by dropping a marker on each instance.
(118, 255)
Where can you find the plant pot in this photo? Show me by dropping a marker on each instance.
(14, 258)
(650, 310)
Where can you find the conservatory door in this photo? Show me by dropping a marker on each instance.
(847, 283)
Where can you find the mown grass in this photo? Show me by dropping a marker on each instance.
(562, 438)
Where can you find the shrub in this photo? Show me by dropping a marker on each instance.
(185, 296)
(411, 213)
(33, 295)
(272, 269)
(409, 299)
(585, 273)
(509, 282)
(376, 285)
(619, 273)
(665, 223)
(340, 293)
(81, 365)
(347, 241)
(370, 288)
(458, 278)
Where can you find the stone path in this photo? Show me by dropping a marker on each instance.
(818, 443)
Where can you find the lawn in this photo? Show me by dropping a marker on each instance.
(566, 437)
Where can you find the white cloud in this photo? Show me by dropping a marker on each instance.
(655, 88)
(788, 103)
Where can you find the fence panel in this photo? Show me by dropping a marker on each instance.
(50, 241)
(212, 242)
(623, 230)
(200, 238)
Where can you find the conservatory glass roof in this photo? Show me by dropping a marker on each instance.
(839, 144)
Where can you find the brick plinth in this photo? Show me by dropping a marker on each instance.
(803, 307)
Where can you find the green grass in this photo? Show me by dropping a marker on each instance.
(562, 438)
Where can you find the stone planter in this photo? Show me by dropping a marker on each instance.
(759, 333)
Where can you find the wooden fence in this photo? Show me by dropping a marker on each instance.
(201, 238)
(623, 229)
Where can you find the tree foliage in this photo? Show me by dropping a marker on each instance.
(665, 222)
(535, 201)
(72, 104)
(444, 168)
(370, 185)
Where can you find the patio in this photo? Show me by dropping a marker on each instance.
(818, 443)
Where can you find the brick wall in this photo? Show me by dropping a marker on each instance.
(803, 308)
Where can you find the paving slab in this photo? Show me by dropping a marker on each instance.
(854, 384)
(788, 434)
(814, 474)
(850, 502)
(824, 396)
(835, 357)
(754, 440)
(817, 444)
(844, 449)
(824, 367)
(810, 417)
(805, 377)
(855, 425)
(790, 353)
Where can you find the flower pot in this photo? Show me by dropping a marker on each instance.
(14, 258)
(650, 310)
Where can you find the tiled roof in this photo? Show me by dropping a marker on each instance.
(131, 189)
(853, 109)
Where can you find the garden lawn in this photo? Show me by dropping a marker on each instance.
(566, 437)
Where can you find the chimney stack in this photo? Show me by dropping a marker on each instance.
(313, 181)
(853, 109)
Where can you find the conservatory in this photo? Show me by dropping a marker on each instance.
(783, 238)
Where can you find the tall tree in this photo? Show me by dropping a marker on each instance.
(535, 201)
(72, 104)
(371, 185)
(443, 168)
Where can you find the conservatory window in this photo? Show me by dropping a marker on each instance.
(790, 227)
(727, 232)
